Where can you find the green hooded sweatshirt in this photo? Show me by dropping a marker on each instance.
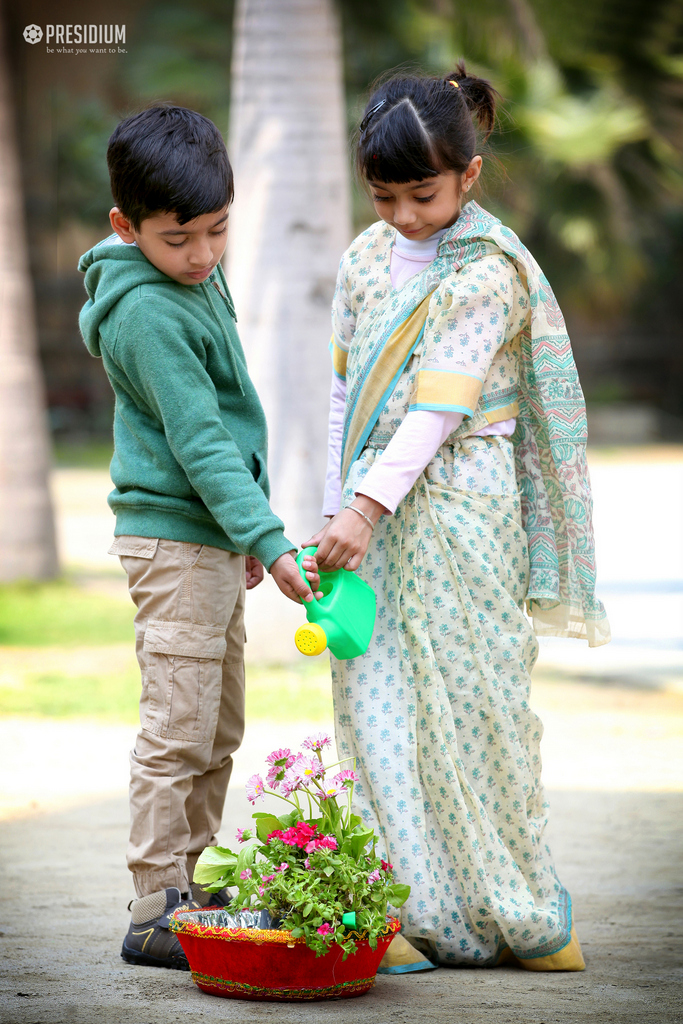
(189, 431)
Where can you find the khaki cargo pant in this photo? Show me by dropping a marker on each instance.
(189, 637)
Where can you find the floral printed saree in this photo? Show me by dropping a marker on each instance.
(437, 711)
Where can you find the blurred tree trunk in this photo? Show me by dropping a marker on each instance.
(288, 229)
(27, 535)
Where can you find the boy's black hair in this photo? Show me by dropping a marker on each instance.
(168, 160)
(415, 126)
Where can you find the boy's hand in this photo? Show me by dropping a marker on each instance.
(254, 572)
(343, 542)
(285, 572)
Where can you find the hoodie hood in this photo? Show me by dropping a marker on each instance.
(111, 269)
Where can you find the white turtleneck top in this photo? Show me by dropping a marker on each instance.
(422, 432)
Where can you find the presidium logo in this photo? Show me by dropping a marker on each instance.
(33, 33)
(77, 35)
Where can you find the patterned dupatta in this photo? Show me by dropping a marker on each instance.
(551, 434)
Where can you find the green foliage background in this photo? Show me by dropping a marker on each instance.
(586, 164)
(587, 160)
(50, 620)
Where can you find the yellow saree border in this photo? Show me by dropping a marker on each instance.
(388, 366)
(339, 358)
(447, 390)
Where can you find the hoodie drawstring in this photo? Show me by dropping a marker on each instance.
(231, 351)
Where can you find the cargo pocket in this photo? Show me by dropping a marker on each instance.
(183, 679)
(135, 547)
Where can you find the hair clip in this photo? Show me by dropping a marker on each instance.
(373, 110)
(451, 82)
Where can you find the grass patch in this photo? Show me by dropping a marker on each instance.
(89, 454)
(59, 695)
(290, 693)
(285, 693)
(60, 614)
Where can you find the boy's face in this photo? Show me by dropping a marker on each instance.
(188, 252)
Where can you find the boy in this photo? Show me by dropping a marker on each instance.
(190, 497)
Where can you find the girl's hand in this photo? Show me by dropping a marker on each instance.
(285, 572)
(254, 572)
(344, 541)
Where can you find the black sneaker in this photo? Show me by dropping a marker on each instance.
(149, 942)
(210, 899)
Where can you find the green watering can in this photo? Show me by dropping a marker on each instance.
(344, 617)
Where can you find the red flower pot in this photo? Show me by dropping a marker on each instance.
(249, 963)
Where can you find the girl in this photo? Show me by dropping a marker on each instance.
(457, 456)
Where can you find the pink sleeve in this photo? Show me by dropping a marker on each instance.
(332, 496)
(410, 450)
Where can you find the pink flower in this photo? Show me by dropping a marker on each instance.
(291, 781)
(321, 843)
(346, 778)
(243, 834)
(325, 929)
(244, 875)
(279, 757)
(283, 866)
(298, 835)
(264, 883)
(307, 863)
(308, 768)
(374, 876)
(331, 790)
(317, 741)
(254, 788)
(280, 761)
(386, 866)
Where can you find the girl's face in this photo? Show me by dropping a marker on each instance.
(419, 208)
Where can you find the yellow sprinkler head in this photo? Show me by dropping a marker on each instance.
(311, 639)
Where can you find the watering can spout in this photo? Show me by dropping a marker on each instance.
(311, 639)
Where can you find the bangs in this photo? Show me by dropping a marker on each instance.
(193, 180)
(398, 148)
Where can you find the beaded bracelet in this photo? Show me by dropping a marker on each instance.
(360, 513)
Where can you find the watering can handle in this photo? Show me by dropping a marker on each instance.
(304, 553)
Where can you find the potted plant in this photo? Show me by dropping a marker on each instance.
(314, 872)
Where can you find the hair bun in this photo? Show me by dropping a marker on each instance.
(479, 94)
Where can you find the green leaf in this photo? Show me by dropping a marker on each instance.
(287, 820)
(215, 855)
(359, 840)
(214, 863)
(245, 859)
(329, 871)
(265, 825)
(220, 883)
(397, 894)
(355, 820)
(307, 909)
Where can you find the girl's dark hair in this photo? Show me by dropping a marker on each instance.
(416, 126)
(168, 160)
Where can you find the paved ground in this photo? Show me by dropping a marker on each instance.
(614, 720)
(64, 916)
